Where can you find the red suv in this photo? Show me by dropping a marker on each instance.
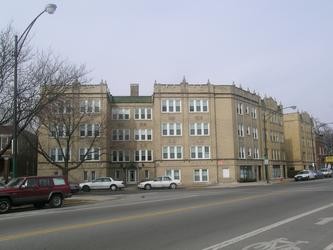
(36, 190)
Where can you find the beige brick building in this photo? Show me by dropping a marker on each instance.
(299, 140)
(199, 133)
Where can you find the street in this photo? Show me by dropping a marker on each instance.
(295, 215)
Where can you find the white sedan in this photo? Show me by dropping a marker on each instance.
(160, 182)
(102, 183)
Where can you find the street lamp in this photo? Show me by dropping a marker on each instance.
(50, 9)
(265, 141)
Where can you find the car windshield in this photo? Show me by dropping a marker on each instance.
(15, 182)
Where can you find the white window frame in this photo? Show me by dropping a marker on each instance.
(241, 153)
(240, 130)
(198, 106)
(200, 152)
(90, 106)
(200, 175)
(176, 127)
(143, 134)
(144, 155)
(143, 113)
(125, 155)
(172, 174)
(117, 134)
(171, 106)
(59, 155)
(121, 114)
(94, 153)
(95, 130)
(172, 152)
(195, 128)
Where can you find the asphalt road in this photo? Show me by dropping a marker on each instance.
(268, 217)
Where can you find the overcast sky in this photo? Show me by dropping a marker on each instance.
(279, 48)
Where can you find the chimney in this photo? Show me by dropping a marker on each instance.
(134, 89)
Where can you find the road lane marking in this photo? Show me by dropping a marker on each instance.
(329, 247)
(264, 229)
(44, 231)
(324, 221)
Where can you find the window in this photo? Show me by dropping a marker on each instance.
(89, 130)
(249, 152)
(59, 130)
(143, 155)
(143, 114)
(199, 105)
(92, 155)
(248, 131)
(256, 153)
(254, 113)
(255, 133)
(200, 152)
(172, 152)
(120, 156)
(93, 175)
(120, 114)
(239, 108)
(58, 181)
(199, 129)
(4, 140)
(200, 175)
(62, 107)
(240, 130)
(143, 134)
(58, 155)
(173, 174)
(120, 134)
(90, 106)
(171, 129)
(170, 105)
(276, 172)
(44, 182)
(241, 153)
(85, 175)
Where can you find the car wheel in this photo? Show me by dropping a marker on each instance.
(173, 186)
(147, 186)
(86, 188)
(56, 201)
(39, 205)
(113, 188)
(4, 205)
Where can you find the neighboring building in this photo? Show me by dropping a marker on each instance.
(26, 155)
(299, 141)
(273, 141)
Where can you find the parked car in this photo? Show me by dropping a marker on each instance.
(36, 190)
(160, 182)
(327, 172)
(2, 184)
(318, 174)
(304, 175)
(75, 188)
(102, 183)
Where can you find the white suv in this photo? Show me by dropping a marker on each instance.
(102, 183)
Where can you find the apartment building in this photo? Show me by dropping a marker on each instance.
(198, 133)
(299, 140)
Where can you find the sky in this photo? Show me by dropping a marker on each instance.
(277, 48)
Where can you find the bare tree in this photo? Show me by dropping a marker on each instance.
(67, 124)
(42, 78)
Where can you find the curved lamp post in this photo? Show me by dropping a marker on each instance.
(50, 9)
(265, 137)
